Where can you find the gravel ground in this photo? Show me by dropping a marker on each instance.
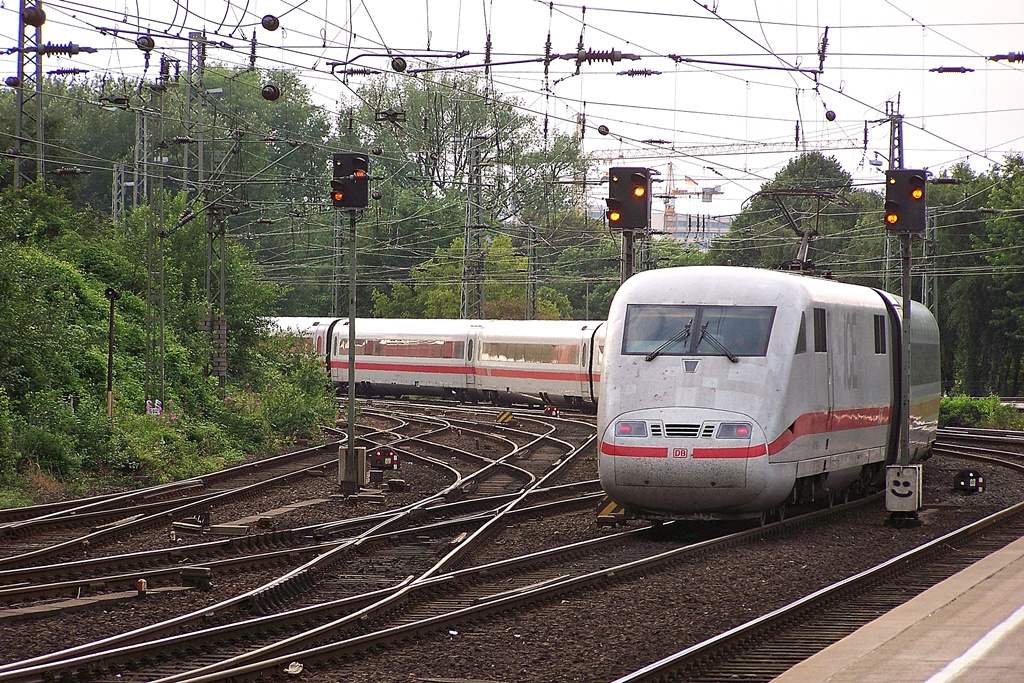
(23, 639)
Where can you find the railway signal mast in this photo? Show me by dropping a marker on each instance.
(349, 190)
(906, 199)
(629, 208)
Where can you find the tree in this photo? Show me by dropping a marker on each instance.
(818, 195)
(1001, 248)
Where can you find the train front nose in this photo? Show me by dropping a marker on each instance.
(683, 460)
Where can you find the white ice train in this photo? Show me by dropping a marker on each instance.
(727, 391)
(546, 362)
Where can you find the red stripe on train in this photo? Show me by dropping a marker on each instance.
(811, 424)
(466, 369)
(633, 451)
(741, 452)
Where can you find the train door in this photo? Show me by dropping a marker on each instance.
(823, 394)
(472, 351)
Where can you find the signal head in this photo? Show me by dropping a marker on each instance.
(916, 184)
(614, 213)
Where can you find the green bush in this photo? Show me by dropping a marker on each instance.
(55, 435)
(8, 456)
(984, 413)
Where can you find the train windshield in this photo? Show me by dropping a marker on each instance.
(738, 330)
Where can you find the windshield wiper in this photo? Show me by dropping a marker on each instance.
(677, 337)
(717, 344)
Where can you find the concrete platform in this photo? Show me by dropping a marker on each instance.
(969, 628)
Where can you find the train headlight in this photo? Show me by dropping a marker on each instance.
(631, 428)
(734, 430)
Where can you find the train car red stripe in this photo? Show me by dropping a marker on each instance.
(533, 374)
(548, 375)
(741, 452)
(633, 451)
(822, 423)
(405, 367)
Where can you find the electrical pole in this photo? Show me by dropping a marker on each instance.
(155, 376)
(28, 96)
(531, 272)
(929, 279)
(194, 96)
(215, 322)
(472, 299)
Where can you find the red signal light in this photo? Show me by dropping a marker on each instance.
(337, 196)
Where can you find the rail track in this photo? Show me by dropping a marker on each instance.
(439, 516)
(767, 646)
(374, 583)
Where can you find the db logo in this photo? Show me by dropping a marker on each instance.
(679, 453)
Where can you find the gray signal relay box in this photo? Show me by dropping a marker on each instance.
(903, 487)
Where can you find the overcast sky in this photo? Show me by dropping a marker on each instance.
(725, 121)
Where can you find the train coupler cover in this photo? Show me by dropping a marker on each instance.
(610, 513)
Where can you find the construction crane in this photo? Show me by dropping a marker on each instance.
(669, 151)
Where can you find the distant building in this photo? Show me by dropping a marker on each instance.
(688, 228)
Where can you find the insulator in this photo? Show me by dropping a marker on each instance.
(603, 129)
(399, 64)
(12, 81)
(69, 49)
(270, 22)
(67, 170)
(639, 72)
(359, 72)
(591, 56)
(67, 72)
(270, 92)
(145, 43)
(184, 140)
(34, 16)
